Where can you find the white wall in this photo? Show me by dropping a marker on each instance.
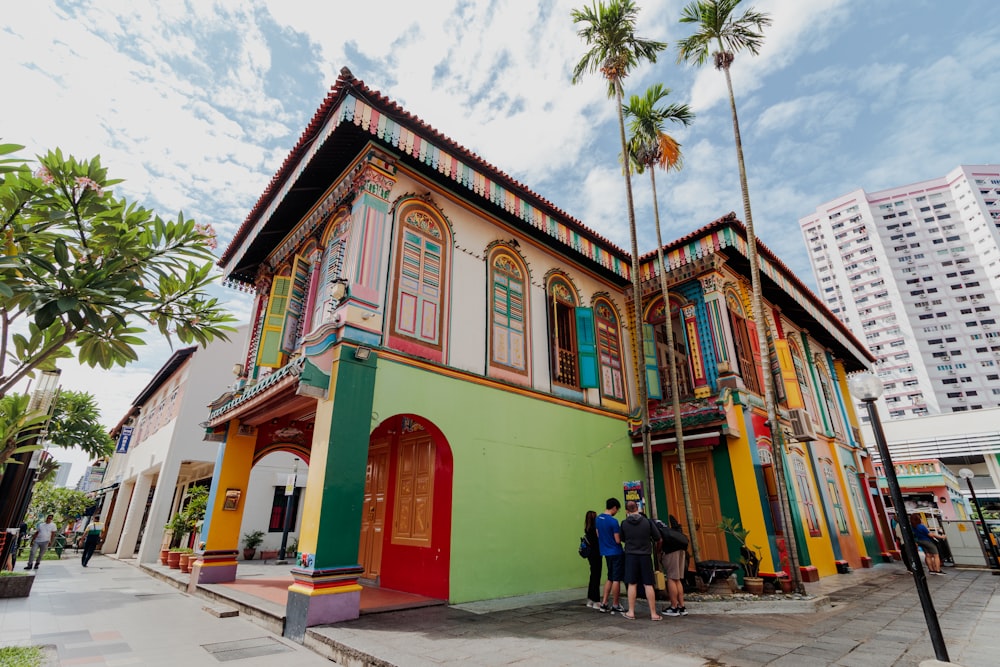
(271, 471)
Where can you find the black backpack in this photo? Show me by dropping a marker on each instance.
(673, 540)
(584, 549)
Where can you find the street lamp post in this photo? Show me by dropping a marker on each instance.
(866, 387)
(289, 497)
(989, 549)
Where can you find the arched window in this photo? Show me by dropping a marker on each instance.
(802, 377)
(855, 491)
(833, 490)
(422, 258)
(805, 494)
(657, 318)
(828, 396)
(744, 344)
(508, 315)
(562, 332)
(609, 349)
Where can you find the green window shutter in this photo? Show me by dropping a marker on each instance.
(586, 343)
(649, 360)
(269, 350)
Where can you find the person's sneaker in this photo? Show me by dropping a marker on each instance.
(683, 611)
(620, 609)
(671, 612)
(593, 605)
(604, 608)
(28, 567)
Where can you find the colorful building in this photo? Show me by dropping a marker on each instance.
(451, 356)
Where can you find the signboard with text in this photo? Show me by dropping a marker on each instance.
(633, 491)
(123, 440)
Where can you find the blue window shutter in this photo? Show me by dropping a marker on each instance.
(586, 343)
(649, 360)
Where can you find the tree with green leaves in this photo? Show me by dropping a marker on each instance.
(75, 421)
(720, 33)
(649, 146)
(64, 504)
(614, 50)
(82, 268)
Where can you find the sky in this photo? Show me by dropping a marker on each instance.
(196, 105)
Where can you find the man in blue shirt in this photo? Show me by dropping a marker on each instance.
(610, 540)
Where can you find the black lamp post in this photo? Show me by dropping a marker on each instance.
(989, 549)
(289, 497)
(866, 387)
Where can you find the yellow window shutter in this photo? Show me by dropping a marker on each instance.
(269, 350)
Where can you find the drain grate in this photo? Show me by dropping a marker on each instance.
(245, 648)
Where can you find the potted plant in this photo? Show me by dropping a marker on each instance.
(784, 578)
(187, 559)
(174, 558)
(749, 555)
(267, 553)
(251, 541)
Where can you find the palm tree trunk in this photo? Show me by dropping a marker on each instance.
(763, 340)
(672, 361)
(647, 452)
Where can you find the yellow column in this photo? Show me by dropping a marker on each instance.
(221, 531)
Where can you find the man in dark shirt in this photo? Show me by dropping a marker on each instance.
(639, 535)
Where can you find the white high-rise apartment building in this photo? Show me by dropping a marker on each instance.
(915, 269)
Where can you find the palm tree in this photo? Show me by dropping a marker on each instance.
(650, 147)
(720, 34)
(614, 50)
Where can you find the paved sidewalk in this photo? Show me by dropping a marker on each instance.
(110, 613)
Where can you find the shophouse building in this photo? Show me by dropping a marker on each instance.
(452, 357)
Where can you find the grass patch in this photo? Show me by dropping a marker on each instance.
(6, 573)
(20, 656)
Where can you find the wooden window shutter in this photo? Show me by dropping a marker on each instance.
(294, 313)
(586, 343)
(649, 359)
(269, 352)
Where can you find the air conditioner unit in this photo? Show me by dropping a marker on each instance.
(801, 425)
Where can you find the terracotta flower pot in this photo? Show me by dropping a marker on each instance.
(185, 562)
(248, 554)
(786, 584)
(163, 556)
(268, 554)
(754, 585)
(174, 560)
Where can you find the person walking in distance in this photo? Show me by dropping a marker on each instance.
(594, 558)
(40, 541)
(640, 536)
(610, 539)
(91, 541)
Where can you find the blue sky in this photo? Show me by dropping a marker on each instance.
(196, 104)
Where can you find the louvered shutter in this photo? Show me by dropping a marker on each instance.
(649, 360)
(269, 353)
(586, 343)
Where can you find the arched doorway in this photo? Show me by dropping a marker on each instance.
(405, 540)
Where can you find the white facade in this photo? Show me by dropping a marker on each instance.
(915, 270)
(167, 451)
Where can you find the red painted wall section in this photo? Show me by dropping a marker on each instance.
(421, 570)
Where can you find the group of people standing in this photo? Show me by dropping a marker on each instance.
(627, 549)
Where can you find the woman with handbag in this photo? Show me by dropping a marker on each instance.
(594, 558)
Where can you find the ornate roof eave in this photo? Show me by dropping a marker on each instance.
(350, 101)
(727, 233)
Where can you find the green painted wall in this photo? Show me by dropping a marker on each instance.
(525, 473)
